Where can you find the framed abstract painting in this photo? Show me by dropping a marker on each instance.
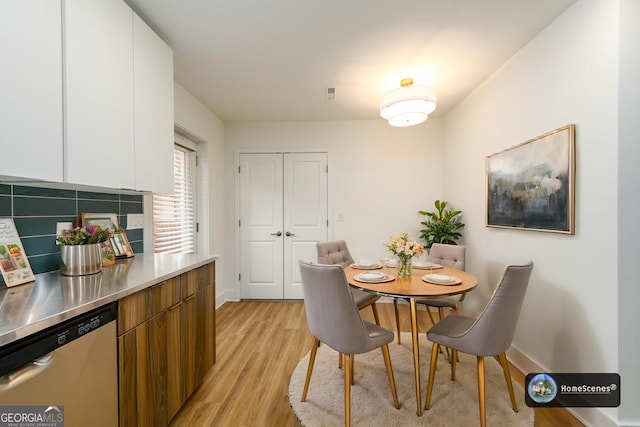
(531, 186)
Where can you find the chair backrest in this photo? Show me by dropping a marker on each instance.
(332, 314)
(335, 252)
(493, 330)
(448, 255)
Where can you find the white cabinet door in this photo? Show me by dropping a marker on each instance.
(31, 88)
(98, 80)
(153, 89)
(283, 214)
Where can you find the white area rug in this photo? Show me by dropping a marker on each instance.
(452, 403)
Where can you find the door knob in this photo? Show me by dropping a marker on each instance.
(288, 234)
(279, 233)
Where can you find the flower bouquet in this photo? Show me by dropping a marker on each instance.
(404, 249)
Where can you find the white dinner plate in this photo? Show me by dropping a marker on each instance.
(365, 263)
(371, 277)
(426, 265)
(441, 279)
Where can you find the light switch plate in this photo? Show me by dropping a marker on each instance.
(135, 221)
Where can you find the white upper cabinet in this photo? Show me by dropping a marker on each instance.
(98, 87)
(31, 89)
(153, 99)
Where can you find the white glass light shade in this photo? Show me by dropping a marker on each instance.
(408, 106)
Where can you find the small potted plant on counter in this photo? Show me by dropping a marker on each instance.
(80, 250)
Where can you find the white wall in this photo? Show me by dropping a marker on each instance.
(192, 116)
(628, 208)
(567, 74)
(379, 176)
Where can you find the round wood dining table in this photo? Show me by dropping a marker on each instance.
(412, 288)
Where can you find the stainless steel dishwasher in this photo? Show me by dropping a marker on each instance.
(71, 367)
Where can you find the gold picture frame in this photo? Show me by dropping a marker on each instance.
(120, 244)
(104, 220)
(531, 186)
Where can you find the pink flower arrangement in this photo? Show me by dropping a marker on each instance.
(87, 235)
(403, 247)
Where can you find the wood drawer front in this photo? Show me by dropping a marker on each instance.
(141, 306)
(195, 280)
(173, 293)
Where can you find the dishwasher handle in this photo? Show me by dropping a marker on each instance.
(26, 372)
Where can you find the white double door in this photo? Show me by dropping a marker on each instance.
(283, 214)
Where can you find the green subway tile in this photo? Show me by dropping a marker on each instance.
(122, 220)
(129, 207)
(5, 206)
(97, 196)
(137, 247)
(36, 206)
(19, 190)
(40, 226)
(5, 189)
(97, 206)
(134, 234)
(131, 198)
(45, 263)
(40, 245)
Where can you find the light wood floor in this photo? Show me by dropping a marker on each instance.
(259, 343)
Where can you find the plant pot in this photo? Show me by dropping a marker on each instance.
(80, 260)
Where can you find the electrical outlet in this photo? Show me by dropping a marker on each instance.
(135, 221)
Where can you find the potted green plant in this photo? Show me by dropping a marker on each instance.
(441, 226)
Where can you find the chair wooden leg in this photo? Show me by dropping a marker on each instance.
(347, 390)
(392, 381)
(375, 313)
(352, 358)
(433, 322)
(432, 374)
(340, 360)
(507, 378)
(454, 354)
(312, 360)
(481, 392)
(395, 309)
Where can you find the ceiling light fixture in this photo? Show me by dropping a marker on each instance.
(408, 105)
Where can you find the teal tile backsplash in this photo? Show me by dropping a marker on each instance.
(37, 210)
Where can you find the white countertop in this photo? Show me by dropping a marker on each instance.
(52, 298)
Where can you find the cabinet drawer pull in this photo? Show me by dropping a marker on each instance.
(190, 297)
(174, 306)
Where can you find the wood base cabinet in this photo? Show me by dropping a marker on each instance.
(166, 346)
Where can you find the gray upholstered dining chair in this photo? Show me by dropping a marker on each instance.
(333, 319)
(337, 252)
(490, 334)
(450, 256)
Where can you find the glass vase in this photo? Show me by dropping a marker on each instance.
(403, 267)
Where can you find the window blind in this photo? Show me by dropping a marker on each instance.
(174, 215)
